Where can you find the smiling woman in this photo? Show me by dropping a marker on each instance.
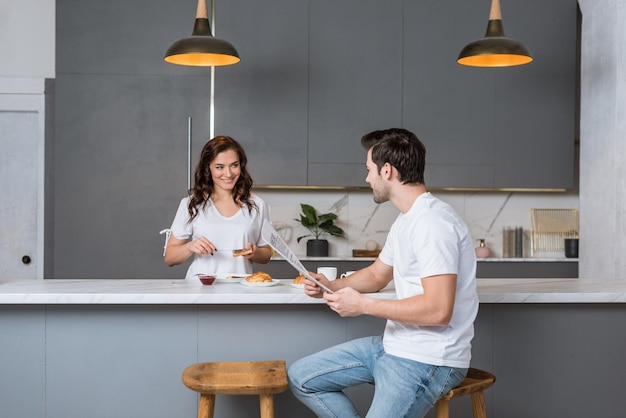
(219, 215)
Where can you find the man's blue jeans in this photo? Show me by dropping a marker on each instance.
(404, 388)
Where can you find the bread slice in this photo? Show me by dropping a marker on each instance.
(242, 251)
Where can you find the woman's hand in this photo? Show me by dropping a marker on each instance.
(260, 254)
(178, 250)
(201, 246)
(253, 248)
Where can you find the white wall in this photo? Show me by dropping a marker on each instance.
(27, 39)
(603, 140)
(485, 213)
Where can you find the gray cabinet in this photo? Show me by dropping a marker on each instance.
(317, 76)
(281, 269)
(262, 101)
(526, 269)
(355, 81)
(119, 149)
(450, 107)
(535, 104)
(492, 128)
(120, 171)
(312, 80)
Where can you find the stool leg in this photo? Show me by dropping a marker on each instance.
(206, 408)
(267, 406)
(478, 405)
(442, 408)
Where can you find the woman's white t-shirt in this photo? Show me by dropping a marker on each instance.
(226, 233)
(429, 240)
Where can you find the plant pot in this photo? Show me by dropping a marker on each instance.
(317, 248)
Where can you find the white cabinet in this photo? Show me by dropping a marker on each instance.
(21, 178)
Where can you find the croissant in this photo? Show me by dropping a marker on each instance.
(259, 277)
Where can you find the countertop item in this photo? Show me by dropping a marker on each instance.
(127, 291)
(553, 259)
(365, 253)
(550, 227)
(482, 251)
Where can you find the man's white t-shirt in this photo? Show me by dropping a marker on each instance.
(431, 239)
(226, 233)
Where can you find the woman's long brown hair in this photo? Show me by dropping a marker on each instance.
(204, 187)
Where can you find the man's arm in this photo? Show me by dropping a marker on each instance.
(434, 307)
(367, 280)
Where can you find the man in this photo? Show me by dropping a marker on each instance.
(425, 349)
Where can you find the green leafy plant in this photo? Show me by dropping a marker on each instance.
(318, 225)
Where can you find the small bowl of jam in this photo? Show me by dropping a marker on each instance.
(207, 280)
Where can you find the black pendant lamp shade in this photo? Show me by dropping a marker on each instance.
(495, 49)
(202, 49)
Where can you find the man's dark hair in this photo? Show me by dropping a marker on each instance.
(400, 148)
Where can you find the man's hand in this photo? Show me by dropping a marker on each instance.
(312, 289)
(346, 302)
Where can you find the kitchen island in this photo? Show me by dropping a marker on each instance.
(176, 292)
(116, 348)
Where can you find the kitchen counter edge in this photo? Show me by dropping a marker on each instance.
(163, 291)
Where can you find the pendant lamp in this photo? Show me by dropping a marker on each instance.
(495, 49)
(202, 49)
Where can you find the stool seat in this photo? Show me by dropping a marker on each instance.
(263, 378)
(474, 384)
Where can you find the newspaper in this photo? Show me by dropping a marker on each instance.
(272, 237)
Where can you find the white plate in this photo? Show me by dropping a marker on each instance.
(274, 282)
(231, 277)
(297, 285)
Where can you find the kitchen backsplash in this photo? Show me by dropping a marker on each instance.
(486, 214)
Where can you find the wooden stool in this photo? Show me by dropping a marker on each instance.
(263, 378)
(474, 384)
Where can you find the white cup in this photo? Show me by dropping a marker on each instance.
(329, 272)
(347, 273)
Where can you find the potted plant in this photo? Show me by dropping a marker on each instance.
(318, 225)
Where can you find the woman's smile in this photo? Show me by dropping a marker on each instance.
(225, 169)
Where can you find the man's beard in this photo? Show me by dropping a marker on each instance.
(380, 196)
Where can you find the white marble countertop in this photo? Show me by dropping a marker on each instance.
(486, 260)
(131, 291)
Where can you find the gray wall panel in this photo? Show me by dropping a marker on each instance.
(336, 174)
(543, 352)
(22, 361)
(121, 169)
(104, 361)
(450, 107)
(458, 175)
(121, 37)
(262, 101)
(355, 80)
(112, 361)
(278, 334)
(535, 103)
